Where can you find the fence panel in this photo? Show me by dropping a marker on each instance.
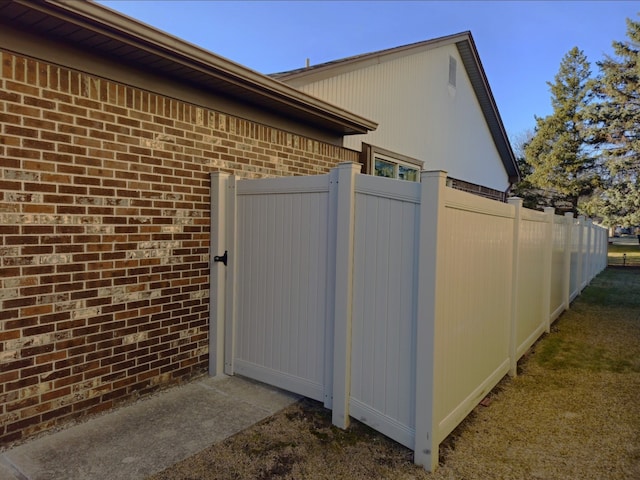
(473, 326)
(531, 317)
(584, 257)
(557, 268)
(574, 283)
(401, 304)
(602, 252)
(384, 306)
(595, 251)
(281, 282)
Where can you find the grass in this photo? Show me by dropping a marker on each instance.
(572, 412)
(558, 353)
(298, 443)
(618, 251)
(609, 310)
(611, 290)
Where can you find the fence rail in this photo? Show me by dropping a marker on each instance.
(400, 304)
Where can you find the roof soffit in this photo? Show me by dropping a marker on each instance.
(480, 84)
(110, 33)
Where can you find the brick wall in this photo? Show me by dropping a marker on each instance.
(104, 218)
(477, 189)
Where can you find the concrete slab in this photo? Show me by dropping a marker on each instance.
(7, 472)
(141, 439)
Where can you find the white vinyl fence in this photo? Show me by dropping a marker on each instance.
(397, 303)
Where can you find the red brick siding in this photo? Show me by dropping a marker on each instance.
(478, 190)
(104, 231)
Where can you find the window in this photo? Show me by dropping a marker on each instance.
(408, 173)
(383, 163)
(384, 168)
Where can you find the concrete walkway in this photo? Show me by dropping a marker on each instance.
(139, 440)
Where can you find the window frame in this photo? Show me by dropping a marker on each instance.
(371, 153)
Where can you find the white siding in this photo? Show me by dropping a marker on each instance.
(419, 114)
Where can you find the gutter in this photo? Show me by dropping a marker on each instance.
(115, 25)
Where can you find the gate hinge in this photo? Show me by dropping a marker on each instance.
(221, 258)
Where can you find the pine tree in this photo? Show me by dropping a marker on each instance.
(563, 164)
(616, 119)
(532, 196)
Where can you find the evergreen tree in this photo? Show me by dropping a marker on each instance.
(616, 120)
(532, 196)
(563, 164)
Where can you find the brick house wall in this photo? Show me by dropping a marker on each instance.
(104, 236)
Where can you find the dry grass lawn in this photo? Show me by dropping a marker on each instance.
(573, 412)
(617, 251)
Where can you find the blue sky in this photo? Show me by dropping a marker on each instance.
(521, 43)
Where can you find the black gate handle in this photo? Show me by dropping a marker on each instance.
(221, 258)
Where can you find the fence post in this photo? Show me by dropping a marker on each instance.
(601, 248)
(604, 249)
(589, 269)
(550, 212)
(515, 285)
(580, 258)
(594, 249)
(217, 273)
(431, 236)
(344, 192)
(230, 298)
(566, 266)
(598, 250)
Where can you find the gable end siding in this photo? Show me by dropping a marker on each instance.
(419, 114)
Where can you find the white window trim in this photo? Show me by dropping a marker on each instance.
(373, 152)
(396, 166)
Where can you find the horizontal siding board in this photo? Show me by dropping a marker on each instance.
(403, 95)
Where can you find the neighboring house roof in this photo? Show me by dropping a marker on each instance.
(471, 60)
(110, 33)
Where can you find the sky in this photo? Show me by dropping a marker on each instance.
(520, 43)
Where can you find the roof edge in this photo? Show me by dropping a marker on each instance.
(489, 108)
(291, 75)
(94, 16)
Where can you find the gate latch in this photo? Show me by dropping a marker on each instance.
(221, 258)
